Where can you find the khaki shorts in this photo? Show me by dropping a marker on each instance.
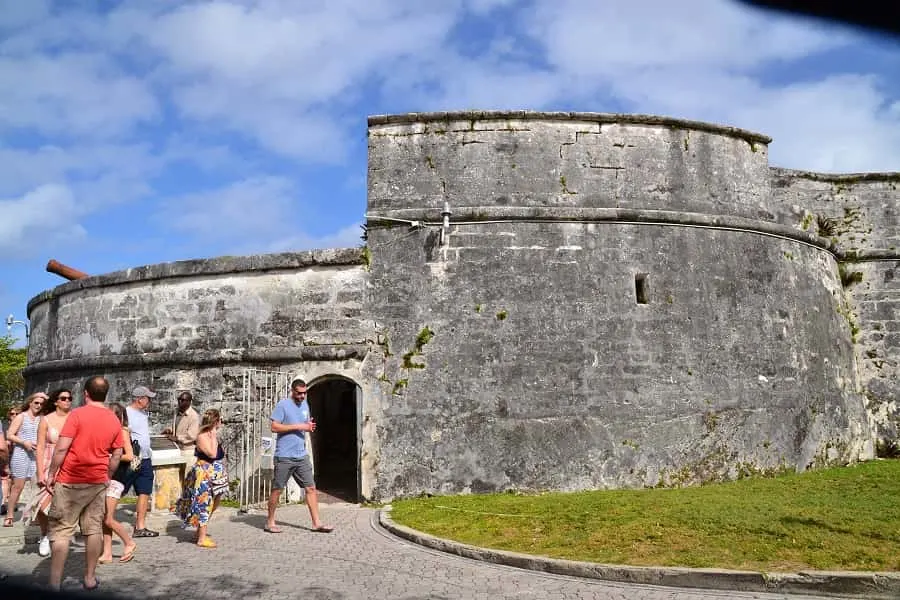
(77, 504)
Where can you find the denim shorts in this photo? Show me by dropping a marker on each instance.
(141, 480)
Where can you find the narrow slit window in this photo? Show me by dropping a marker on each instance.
(641, 289)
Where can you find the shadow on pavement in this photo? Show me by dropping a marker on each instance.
(198, 588)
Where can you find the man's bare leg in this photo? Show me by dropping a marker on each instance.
(59, 551)
(274, 497)
(143, 502)
(93, 546)
(312, 502)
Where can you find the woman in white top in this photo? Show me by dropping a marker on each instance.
(53, 417)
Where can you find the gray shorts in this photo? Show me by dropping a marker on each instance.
(298, 468)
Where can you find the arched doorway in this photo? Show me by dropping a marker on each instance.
(334, 403)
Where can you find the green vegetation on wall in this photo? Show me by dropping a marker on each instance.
(12, 384)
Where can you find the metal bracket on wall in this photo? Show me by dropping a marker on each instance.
(412, 224)
(445, 228)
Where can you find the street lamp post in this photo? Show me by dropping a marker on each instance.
(10, 321)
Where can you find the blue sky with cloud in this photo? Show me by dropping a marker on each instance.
(134, 133)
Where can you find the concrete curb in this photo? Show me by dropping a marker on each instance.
(853, 584)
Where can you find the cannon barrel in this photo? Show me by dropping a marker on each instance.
(66, 271)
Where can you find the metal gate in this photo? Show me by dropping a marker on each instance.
(262, 389)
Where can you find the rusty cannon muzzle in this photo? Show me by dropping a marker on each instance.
(65, 271)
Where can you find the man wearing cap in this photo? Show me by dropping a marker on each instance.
(142, 479)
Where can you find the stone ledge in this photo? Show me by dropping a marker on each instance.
(872, 586)
(473, 215)
(591, 117)
(839, 178)
(208, 267)
(195, 358)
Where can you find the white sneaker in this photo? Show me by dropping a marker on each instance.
(44, 546)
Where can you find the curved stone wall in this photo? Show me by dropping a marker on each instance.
(196, 325)
(859, 214)
(617, 302)
(566, 160)
(266, 309)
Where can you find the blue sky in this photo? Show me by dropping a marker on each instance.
(144, 132)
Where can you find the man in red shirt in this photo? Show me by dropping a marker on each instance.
(87, 453)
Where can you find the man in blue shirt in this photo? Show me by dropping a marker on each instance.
(291, 421)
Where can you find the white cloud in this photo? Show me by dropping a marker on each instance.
(252, 209)
(257, 215)
(17, 14)
(83, 95)
(608, 38)
(281, 73)
(346, 237)
(840, 124)
(37, 221)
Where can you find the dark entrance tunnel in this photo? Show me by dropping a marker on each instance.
(335, 445)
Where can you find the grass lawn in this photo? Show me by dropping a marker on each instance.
(832, 519)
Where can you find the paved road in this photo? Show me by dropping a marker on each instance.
(358, 560)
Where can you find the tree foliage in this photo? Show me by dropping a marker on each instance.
(12, 361)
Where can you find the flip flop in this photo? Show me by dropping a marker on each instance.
(207, 543)
(127, 556)
(8, 522)
(272, 530)
(323, 529)
(104, 561)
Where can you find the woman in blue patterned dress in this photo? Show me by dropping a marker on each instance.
(23, 433)
(205, 483)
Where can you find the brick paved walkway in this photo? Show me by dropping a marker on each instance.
(358, 560)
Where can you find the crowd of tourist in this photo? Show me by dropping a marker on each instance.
(83, 461)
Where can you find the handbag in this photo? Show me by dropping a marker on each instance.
(219, 485)
(39, 504)
(135, 464)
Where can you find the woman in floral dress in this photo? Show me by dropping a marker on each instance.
(205, 483)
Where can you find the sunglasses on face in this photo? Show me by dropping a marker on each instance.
(64, 399)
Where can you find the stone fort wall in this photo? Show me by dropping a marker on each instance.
(860, 214)
(197, 325)
(617, 300)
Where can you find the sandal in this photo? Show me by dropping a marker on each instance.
(8, 522)
(91, 588)
(207, 543)
(142, 533)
